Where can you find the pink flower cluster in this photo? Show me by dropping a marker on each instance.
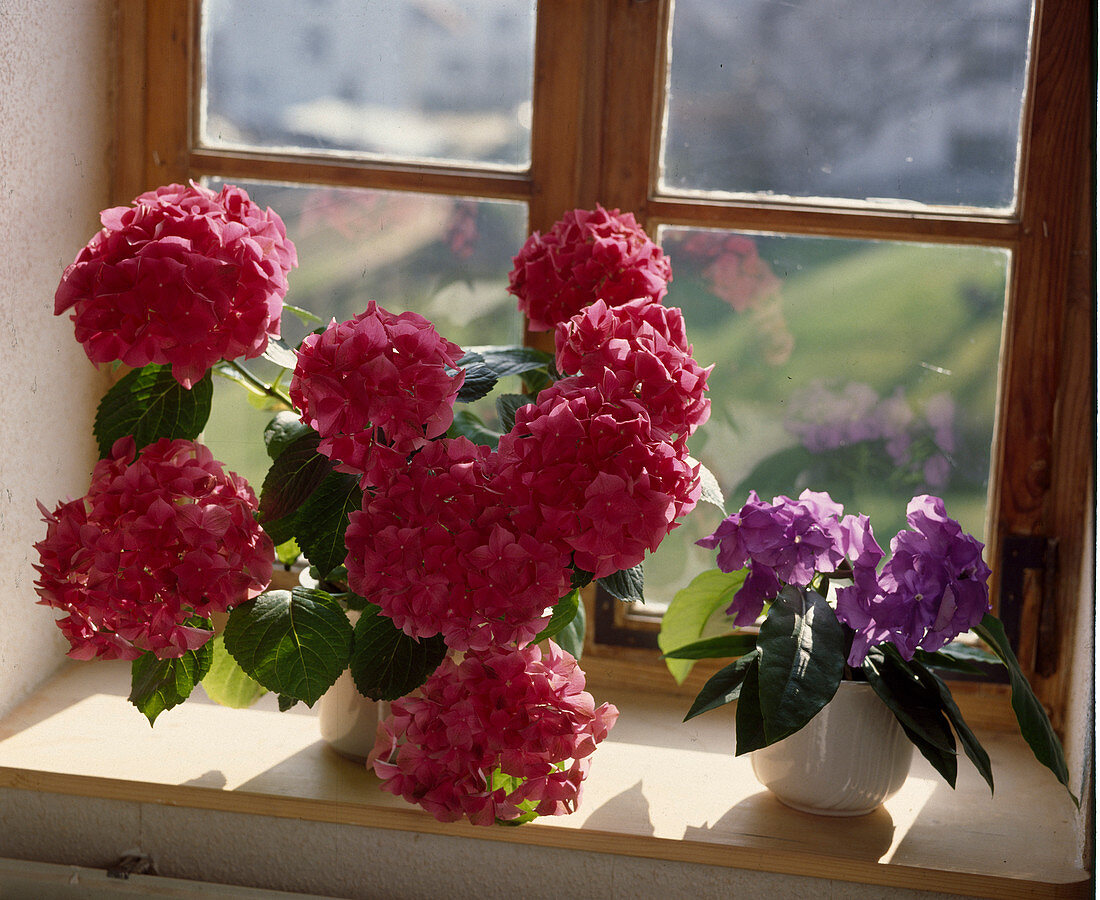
(156, 540)
(588, 255)
(439, 549)
(376, 388)
(605, 483)
(501, 733)
(184, 277)
(644, 345)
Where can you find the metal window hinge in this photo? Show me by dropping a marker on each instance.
(131, 864)
(1029, 563)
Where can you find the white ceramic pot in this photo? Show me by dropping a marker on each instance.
(846, 761)
(349, 721)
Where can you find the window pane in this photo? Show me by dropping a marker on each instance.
(445, 258)
(853, 99)
(865, 369)
(401, 79)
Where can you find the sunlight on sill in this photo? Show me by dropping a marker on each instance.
(659, 788)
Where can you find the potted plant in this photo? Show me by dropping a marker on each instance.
(459, 548)
(838, 653)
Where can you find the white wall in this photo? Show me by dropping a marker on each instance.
(55, 129)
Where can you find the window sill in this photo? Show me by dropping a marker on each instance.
(658, 789)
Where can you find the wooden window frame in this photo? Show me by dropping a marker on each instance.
(595, 132)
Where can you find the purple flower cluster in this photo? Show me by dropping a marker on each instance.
(932, 589)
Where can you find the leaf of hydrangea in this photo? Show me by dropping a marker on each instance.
(286, 702)
(150, 404)
(507, 404)
(282, 431)
(293, 477)
(157, 685)
(385, 662)
(295, 643)
(466, 424)
(724, 686)
(279, 352)
(802, 655)
(1034, 724)
(479, 378)
(626, 584)
(227, 683)
(691, 609)
(320, 524)
(712, 490)
(566, 612)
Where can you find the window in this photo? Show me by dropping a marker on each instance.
(787, 195)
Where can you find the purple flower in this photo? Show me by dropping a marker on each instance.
(783, 542)
(933, 588)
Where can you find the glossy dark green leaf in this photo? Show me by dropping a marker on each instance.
(157, 685)
(322, 521)
(627, 585)
(294, 475)
(507, 404)
(802, 655)
(282, 431)
(749, 719)
(969, 741)
(715, 648)
(512, 360)
(294, 643)
(1034, 724)
(918, 710)
(724, 686)
(479, 378)
(385, 662)
(286, 702)
(149, 404)
(565, 611)
(466, 424)
(958, 658)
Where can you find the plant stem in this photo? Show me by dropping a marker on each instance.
(261, 386)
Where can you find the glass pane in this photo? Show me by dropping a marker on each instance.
(852, 99)
(866, 369)
(446, 258)
(402, 79)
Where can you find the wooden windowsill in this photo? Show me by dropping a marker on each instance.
(658, 789)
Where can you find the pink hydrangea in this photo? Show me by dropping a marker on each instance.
(376, 388)
(605, 483)
(441, 549)
(646, 346)
(184, 277)
(587, 255)
(499, 734)
(156, 540)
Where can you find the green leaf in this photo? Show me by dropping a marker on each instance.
(712, 490)
(304, 315)
(227, 683)
(288, 552)
(626, 584)
(466, 424)
(802, 655)
(749, 720)
(385, 662)
(970, 743)
(150, 404)
(507, 404)
(292, 642)
(280, 353)
(294, 475)
(737, 644)
(160, 684)
(918, 710)
(958, 658)
(1034, 724)
(320, 524)
(282, 431)
(565, 611)
(512, 360)
(479, 379)
(687, 615)
(724, 686)
(286, 702)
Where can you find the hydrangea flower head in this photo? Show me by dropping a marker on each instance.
(441, 549)
(156, 540)
(184, 277)
(783, 542)
(644, 344)
(587, 255)
(376, 388)
(932, 589)
(502, 728)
